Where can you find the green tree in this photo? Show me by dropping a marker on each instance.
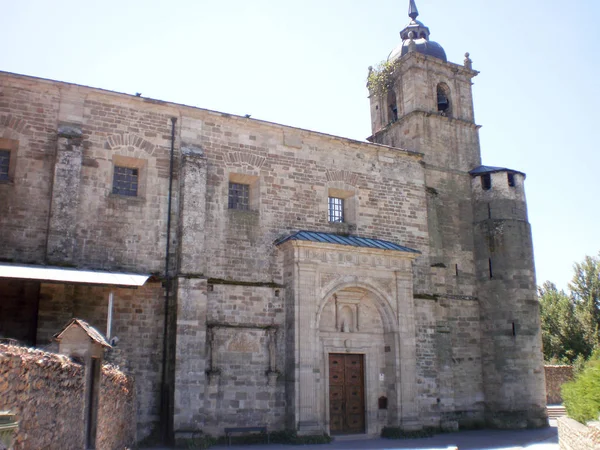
(563, 333)
(585, 292)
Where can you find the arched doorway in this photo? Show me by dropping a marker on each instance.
(358, 338)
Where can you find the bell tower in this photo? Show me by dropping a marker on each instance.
(422, 102)
(478, 266)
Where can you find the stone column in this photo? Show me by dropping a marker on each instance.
(190, 358)
(308, 367)
(192, 211)
(65, 196)
(407, 362)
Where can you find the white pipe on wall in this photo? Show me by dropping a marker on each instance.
(109, 318)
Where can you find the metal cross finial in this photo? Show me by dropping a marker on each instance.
(413, 12)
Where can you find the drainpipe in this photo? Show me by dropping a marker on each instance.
(165, 406)
(110, 316)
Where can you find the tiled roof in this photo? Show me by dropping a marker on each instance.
(481, 170)
(355, 241)
(90, 331)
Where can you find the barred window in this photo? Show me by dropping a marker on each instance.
(239, 196)
(125, 181)
(4, 163)
(336, 209)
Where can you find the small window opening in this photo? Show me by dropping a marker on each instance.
(486, 182)
(490, 268)
(391, 100)
(511, 179)
(514, 329)
(125, 181)
(383, 403)
(443, 100)
(489, 211)
(4, 163)
(336, 209)
(456, 269)
(239, 196)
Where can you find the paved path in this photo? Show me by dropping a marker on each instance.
(541, 439)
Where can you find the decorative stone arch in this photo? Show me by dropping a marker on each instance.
(381, 301)
(243, 168)
(379, 347)
(131, 142)
(14, 134)
(14, 127)
(342, 176)
(251, 161)
(132, 151)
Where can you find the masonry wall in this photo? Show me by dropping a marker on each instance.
(556, 376)
(246, 357)
(46, 391)
(573, 435)
(60, 209)
(28, 121)
(294, 172)
(449, 373)
(138, 316)
(117, 410)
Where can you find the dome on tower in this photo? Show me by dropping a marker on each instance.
(419, 34)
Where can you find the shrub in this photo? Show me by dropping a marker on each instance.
(582, 395)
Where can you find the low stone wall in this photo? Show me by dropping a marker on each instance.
(116, 416)
(573, 435)
(556, 376)
(47, 393)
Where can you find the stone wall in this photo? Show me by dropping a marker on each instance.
(573, 435)
(47, 392)
(116, 424)
(138, 320)
(556, 376)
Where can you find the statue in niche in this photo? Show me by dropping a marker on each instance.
(346, 322)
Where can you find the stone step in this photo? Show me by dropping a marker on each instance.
(557, 411)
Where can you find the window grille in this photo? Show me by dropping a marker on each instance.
(239, 196)
(125, 181)
(4, 163)
(336, 209)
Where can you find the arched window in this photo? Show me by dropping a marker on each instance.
(392, 105)
(443, 100)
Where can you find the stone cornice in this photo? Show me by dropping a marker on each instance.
(423, 113)
(414, 58)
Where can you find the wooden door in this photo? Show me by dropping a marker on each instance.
(346, 394)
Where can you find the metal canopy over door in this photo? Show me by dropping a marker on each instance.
(346, 394)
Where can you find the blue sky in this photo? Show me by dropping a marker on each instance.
(305, 64)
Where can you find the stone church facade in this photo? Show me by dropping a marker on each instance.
(290, 278)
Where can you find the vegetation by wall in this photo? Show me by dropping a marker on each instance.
(582, 395)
